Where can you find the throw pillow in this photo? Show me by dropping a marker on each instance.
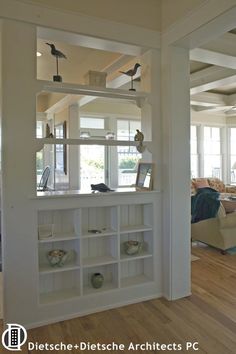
(201, 183)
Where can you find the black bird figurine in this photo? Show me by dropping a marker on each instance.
(58, 55)
(131, 73)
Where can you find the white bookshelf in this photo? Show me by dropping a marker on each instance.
(94, 238)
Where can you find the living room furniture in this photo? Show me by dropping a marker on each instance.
(212, 182)
(229, 203)
(219, 232)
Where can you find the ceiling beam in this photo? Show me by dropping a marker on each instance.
(88, 42)
(208, 99)
(225, 44)
(211, 78)
(212, 57)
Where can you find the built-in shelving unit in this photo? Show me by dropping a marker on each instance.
(94, 238)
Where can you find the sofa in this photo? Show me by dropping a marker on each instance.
(220, 231)
(212, 182)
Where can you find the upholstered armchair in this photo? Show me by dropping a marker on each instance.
(219, 232)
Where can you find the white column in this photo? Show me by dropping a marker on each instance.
(176, 171)
(74, 150)
(19, 171)
(151, 110)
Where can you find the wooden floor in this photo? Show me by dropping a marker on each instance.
(208, 316)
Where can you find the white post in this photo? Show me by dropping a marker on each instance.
(74, 150)
(176, 171)
(151, 110)
(19, 171)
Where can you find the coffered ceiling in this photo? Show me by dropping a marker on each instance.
(213, 76)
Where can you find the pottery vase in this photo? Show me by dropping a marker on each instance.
(97, 280)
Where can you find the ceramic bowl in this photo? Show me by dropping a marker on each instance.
(57, 257)
(132, 247)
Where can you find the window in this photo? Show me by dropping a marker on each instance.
(39, 154)
(92, 157)
(194, 151)
(232, 159)
(127, 155)
(212, 152)
(92, 165)
(92, 123)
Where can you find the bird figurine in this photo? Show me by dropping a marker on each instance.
(131, 73)
(139, 136)
(48, 133)
(58, 55)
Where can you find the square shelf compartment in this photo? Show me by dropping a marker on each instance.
(99, 250)
(72, 261)
(59, 286)
(58, 224)
(99, 221)
(137, 218)
(136, 272)
(146, 248)
(110, 274)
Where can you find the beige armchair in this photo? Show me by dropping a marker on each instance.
(219, 232)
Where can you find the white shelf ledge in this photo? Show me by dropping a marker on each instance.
(58, 296)
(105, 142)
(136, 280)
(89, 290)
(107, 232)
(95, 261)
(59, 237)
(141, 255)
(89, 193)
(74, 89)
(134, 228)
(48, 269)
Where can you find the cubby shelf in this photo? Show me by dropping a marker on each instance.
(47, 268)
(58, 296)
(106, 287)
(91, 262)
(59, 237)
(95, 252)
(136, 280)
(141, 255)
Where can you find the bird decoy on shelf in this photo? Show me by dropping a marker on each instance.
(58, 55)
(139, 137)
(131, 73)
(48, 133)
